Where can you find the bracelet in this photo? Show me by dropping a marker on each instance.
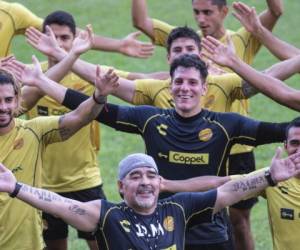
(102, 100)
(16, 190)
(269, 178)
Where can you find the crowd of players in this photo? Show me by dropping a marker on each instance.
(192, 142)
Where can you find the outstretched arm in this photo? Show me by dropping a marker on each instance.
(83, 216)
(129, 45)
(197, 184)
(268, 85)
(250, 20)
(236, 190)
(71, 122)
(270, 16)
(140, 18)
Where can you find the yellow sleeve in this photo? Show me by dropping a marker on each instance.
(48, 129)
(246, 45)
(161, 32)
(143, 94)
(24, 18)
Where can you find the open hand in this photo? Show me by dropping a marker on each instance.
(7, 180)
(106, 83)
(84, 41)
(135, 48)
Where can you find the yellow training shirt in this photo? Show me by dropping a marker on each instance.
(284, 214)
(14, 19)
(21, 151)
(71, 165)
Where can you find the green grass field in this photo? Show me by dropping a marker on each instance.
(113, 18)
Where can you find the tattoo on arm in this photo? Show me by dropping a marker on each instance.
(77, 210)
(247, 185)
(64, 132)
(248, 90)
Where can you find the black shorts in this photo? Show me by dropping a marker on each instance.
(243, 163)
(55, 228)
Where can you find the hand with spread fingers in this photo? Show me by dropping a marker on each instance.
(131, 46)
(283, 169)
(44, 42)
(84, 41)
(217, 51)
(105, 83)
(247, 16)
(7, 180)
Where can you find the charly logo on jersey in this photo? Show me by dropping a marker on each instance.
(284, 190)
(287, 213)
(162, 129)
(18, 144)
(205, 134)
(169, 223)
(126, 225)
(42, 110)
(188, 158)
(16, 169)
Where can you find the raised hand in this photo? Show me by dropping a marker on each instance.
(106, 83)
(84, 41)
(135, 48)
(283, 169)
(217, 51)
(7, 180)
(30, 76)
(247, 17)
(45, 43)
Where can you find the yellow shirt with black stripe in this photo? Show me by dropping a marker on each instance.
(245, 44)
(284, 210)
(71, 165)
(14, 20)
(222, 91)
(22, 151)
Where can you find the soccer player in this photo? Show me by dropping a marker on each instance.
(15, 19)
(23, 144)
(209, 16)
(142, 221)
(272, 87)
(70, 168)
(182, 139)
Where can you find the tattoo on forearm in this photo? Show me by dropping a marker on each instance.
(44, 194)
(64, 132)
(77, 210)
(247, 185)
(248, 90)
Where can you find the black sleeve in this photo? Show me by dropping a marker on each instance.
(270, 132)
(199, 205)
(124, 118)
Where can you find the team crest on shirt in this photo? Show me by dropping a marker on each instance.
(18, 144)
(125, 224)
(169, 223)
(205, 134)
(209, 100)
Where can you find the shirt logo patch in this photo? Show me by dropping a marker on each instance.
(188, 158)
(169, 223)
(41, 110)
(18, 144)
(205, 134)
(162, 129)
(125, 224)
(287, 214)
(284, 190)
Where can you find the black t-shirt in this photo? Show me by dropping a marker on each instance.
(122, 228)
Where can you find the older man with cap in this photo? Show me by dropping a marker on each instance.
(142, 221)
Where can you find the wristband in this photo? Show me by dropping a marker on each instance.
(269, 179)
(102, 99)
(16, 190)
